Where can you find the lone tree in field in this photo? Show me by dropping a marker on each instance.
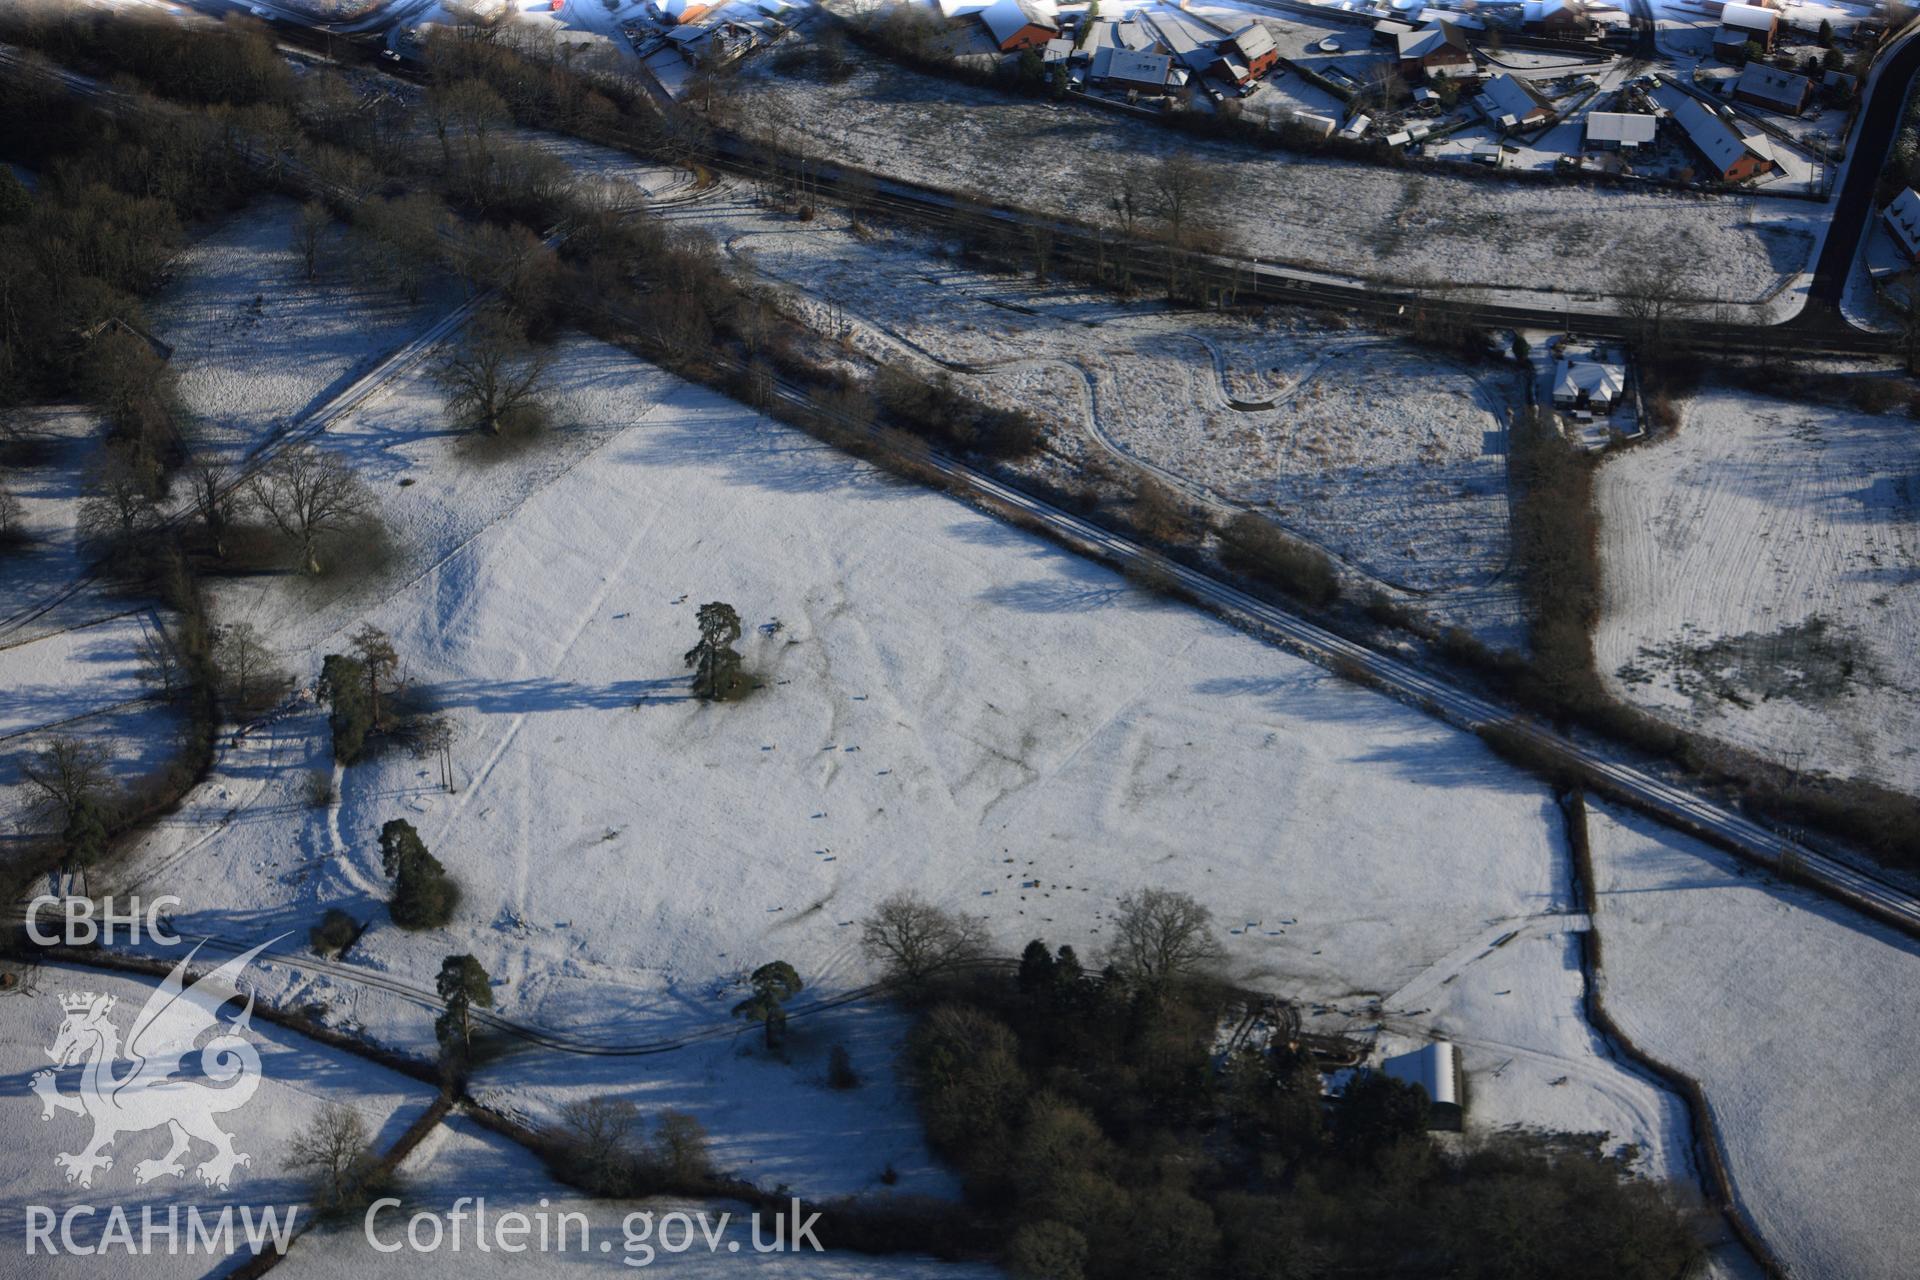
(309, 233)
(309, 494)
(1161, 936)
(913, 939)
(68, 778)
(423, 895)
(774, 983)
(336, 1155)
(374, 648)
(462, 984)
(716, 666)
(495, 378)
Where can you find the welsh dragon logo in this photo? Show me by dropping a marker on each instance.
(161, 1057)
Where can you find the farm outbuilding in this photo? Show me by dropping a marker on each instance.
(1435, 1068)
(1622, 129)
(1742, 24)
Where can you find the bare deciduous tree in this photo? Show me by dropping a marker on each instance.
(308, 494)
(118, 506)
(335, 1153)
(603, 1131)
(309, 233)
(248, 667)
(65, 775)
(160, 663)
(216, 501)
(11, 529)
(913, 939)
(1160, 935)
(1649, 296)
(495, 378)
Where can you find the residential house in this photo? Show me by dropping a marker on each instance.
(1743, 24)
(1587, 382)
(1512, 103)
(1620, 130)
(1437, 50)
(1772, 88)
(1902, 216)
(1729, 155)
(1247, 54)
(1556, 19)
(1150, 73)
(1016, 25)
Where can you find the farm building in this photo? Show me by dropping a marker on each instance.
(1310, 122)
(1772, 88)
(1438, 50)
(1586, 382)
(1902, 216)
(1563, 18)
(1511, 103)
(1190, 44)
(1623, 130)
(1729, 155)
(1014, 25)
(1741, 24)
(1387, 32)
(1436, 1069)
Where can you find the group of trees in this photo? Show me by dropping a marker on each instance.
(609, 1150)
(358, 687)
(1087, 1116)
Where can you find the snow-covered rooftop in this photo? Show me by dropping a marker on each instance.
(1627, 128)
(1903, 220)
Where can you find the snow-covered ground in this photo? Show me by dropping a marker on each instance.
(255, 342)
(297, 1078)
(69, 661)
(948, 705)
(1425, 229)
(1797, 1017)
(1390, 458)
(461, 1159)
(1762, 583)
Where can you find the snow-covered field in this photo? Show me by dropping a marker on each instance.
(1390, 458)
(1762, 582)
(297, 1079)
(69, 667)
(255, 342)
(948, 705)
(1434, 230)
(460, 1159)
(1798, 1018)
